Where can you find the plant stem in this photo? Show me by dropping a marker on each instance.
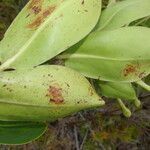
(125, 110)
(144, 85)
(137, 103)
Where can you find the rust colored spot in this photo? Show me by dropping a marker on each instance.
(35, 6)
(36, 9)
(48, 11)
(33, 3)
(36, 23)
(41, 17)
(55, 94)
(130, 69)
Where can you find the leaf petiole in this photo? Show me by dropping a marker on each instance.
(143, 85)
(125, 110)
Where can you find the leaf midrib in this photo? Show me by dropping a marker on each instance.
(27, 44)
(114, 14)
(86, 56)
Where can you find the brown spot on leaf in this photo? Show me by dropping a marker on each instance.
(48, 11)
(131, 69)
(55, 94)
(35, 6)
(41, 17)
(36, 23)
(36, 9)
(82, 2)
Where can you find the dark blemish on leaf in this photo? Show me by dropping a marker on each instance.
(86, 10)
(25, 86)
(55, 94)
(4, 85)
(36, 23)
(48, 11)
(68, 85)
(82, 2)
(9, 69)
(41, 17)
(35, 6)
(130, 69)
(10, 90)
(33, 3)
(50, 75)
(27, 15)
(36, 10)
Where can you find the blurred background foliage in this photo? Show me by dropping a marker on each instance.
(102, 129)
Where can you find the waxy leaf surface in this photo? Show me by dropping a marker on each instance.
(44, 93)
(117, 90)
(123, 13)
(117, 55)
(45, 28)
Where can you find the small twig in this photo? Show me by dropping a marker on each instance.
(76, 138)
(84, 139)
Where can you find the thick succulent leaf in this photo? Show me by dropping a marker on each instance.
(117, 90)
(122, 13)
(44, 28)
(44, 93)
(20, 132)
(117, 55)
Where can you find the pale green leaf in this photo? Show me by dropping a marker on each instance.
(45, 28)
(117, 55)
(122, 13)
(117, 90)
(44, 93)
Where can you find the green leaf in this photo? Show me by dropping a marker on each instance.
(123, 13)
(117, 90)
(20, 132)
(45, 28)
(44, 93)
(117, 55)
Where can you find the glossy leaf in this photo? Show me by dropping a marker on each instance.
(117, 55)
(122, 13)
(44, 93)
(117, 90)
(20, 132)
(45, 28)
